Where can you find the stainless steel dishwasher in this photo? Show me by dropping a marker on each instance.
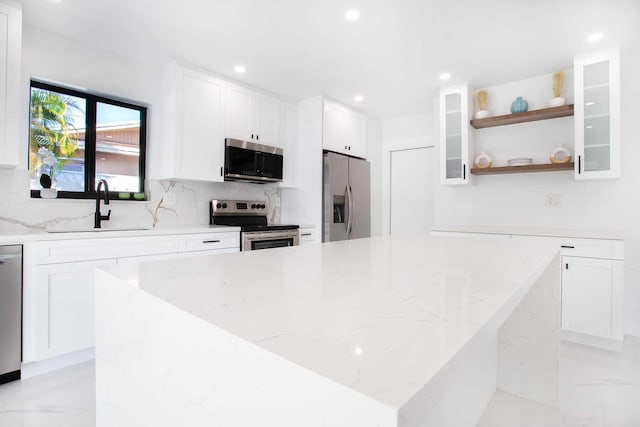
(10, 312)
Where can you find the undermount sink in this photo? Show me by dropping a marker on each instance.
(96, 230)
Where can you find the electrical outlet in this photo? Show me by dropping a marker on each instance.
(169, 198)
(553, 201)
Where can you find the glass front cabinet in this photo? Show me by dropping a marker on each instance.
(455, 136)
(597, 115)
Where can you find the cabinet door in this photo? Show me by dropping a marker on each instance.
(66, 307)
(597, 115)
(454, 135)
(240, 121)
(10, 45)
(343, 130)
(202, 153)
(587, 296)
(267, 126)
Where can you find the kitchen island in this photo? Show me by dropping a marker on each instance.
(390, 331)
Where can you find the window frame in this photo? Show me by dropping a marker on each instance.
(92, 101)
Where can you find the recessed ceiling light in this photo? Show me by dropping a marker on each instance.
(358, 98)
(592, 38)
(239, 69)
(588, 104)
(589, 127)
(55, 1)
(445, 76)
(352, 15)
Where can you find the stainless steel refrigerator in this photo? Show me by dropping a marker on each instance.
(346, 196)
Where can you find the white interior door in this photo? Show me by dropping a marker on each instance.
(413, 180)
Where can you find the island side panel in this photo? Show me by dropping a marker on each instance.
(157, 365)
(459, 394)
(529, 341)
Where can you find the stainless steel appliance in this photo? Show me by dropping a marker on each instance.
(10, 312)
(251, 162)
(346, 198)
(251, 217)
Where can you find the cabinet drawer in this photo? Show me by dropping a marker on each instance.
(307, 235)
(95, 249)
(208, 241)
(207, 253)
(587, 248)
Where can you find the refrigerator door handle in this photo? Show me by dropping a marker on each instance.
(351, 207)
(347, 199)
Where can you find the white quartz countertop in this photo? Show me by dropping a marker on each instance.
(380, 315)
(533, 231)
(8, 238)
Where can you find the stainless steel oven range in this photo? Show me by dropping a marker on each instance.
(251, 217)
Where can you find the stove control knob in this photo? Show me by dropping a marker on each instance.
(224, 205)
(263, 206)
(219, 205)
(253, 206)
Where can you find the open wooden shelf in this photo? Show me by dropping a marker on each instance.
(545, 167)
(529, 116)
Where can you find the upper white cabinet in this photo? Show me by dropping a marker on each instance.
(597, 115)
(251, 116)
(10, 45)
(456, 140)
(343, 130)
(193, 126)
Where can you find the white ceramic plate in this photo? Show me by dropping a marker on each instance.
(520, 161)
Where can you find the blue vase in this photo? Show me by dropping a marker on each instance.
(519, 105)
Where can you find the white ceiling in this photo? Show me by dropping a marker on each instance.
(392, 55)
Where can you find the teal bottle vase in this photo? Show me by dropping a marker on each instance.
(519, 105)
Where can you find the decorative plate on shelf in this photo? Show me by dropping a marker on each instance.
(520, 161)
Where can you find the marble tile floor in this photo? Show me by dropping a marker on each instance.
(597, 388)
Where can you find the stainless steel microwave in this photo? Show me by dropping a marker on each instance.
(251, 162)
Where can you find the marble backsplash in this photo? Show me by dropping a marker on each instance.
(18, 211)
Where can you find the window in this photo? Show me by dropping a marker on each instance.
(77, 139)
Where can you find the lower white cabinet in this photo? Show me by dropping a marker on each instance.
(592, 286)
(592, 297)
(59, 283)
(65, 307)
(308, 235)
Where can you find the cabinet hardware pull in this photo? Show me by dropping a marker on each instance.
(566, 266)
(211, 241)
(251, 136)
(221, 171)
(464, 171)
(257, 136)
(568, 247)
(305, 234)
(579, 165)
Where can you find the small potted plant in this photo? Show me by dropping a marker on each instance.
(47, 171)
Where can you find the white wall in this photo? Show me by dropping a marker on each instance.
(71, 63)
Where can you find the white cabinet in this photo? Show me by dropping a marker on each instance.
(251, 116)
(64, 308)
(193, 146)
(10, 115)
(456, 138)
(59, 282)
(308, 235)
(592, 286)
(592, 298)
(597, 115)
(343, 130)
